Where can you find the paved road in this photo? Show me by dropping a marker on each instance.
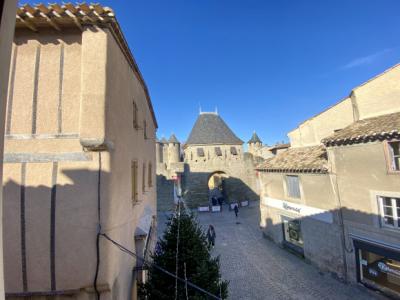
(258, 269)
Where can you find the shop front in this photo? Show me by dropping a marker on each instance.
(378, 266)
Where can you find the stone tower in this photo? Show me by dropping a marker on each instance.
(255, 145)
(174, 150)
(164, 150)
(215, 165)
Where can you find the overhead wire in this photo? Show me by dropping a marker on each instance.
(161, 269)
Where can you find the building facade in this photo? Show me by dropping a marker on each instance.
(7, 24)
(334, 195)
(79, 157)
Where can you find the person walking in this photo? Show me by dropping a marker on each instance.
(211, 235)
(236, 209)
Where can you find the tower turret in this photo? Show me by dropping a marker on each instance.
(174, 149)
(255, 144)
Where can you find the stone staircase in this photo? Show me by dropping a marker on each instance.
(165, 194)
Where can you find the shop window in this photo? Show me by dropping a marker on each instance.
(200, 152)
(134, 177)
(390, 212)
(218, 151)
(234, 151)
(135, 116)
(293, 186)
(292, 233)
(379, 269)
(394, 155)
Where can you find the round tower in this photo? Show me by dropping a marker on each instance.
(174, 149)
(164, 150)
(255, 144)
(159, 154)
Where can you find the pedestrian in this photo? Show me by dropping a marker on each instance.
(236, 209)
(211, 235)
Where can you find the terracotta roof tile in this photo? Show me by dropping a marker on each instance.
(298, 160)
(368, 130)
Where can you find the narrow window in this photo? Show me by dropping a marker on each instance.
(135, 116)
(394, 155)
(218, 151)
(293, 186)
(191, 155)
(145, 129)
(134, 168)
(200, 152)
(234, 151)
(150, 175)
(390, 212)
(144, 178)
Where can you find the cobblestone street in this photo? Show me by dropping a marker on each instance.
(258, 269)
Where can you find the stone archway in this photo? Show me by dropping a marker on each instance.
(216, 187)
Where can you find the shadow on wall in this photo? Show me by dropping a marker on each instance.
(165, 193)
(359, 251)
(50, 232)
(196, 187)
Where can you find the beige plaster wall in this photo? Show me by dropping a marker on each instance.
(6, 36)
(128, 144)
(361, 172)
(380, 95)
(96, 89)
(313, 130)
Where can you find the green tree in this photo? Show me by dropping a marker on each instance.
(194, 262)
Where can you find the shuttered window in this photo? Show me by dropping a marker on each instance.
(293, 186)
(150, 175)
(134, 168)
(144, 178)
(200, 152)
(234, 151)
(394, 155)
(218, 151)
(135, 115)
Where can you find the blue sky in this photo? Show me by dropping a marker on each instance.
(266, 65)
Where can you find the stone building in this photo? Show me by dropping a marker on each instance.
(79, 157)
(212, 163)
(334, 195)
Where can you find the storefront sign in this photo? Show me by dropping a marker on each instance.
(299, 209)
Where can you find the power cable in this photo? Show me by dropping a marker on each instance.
(147, 263)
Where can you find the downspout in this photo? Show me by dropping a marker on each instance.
(335, 186)
(98, 230)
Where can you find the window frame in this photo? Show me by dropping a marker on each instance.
(134, 181)
(144, 178)
(390, 156)
(135, 120)
(287, 186)
(395, 212)
(150, 175)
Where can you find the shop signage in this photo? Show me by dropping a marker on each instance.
(386, 269)
(299, 209)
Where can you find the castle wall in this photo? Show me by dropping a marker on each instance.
(240, 184)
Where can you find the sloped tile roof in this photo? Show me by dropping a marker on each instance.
(173, 139)
(298, 160)
(210, 129)
(383, 127)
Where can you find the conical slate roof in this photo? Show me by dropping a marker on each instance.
(173, 139)
(164, 141)
(254, 139)
(210, 129)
